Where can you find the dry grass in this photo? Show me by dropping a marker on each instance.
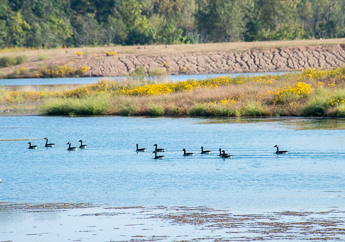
(174, 49)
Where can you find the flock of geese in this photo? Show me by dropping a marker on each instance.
(222, 153)
(52, 145)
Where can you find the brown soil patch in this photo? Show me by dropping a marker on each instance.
(195, 59)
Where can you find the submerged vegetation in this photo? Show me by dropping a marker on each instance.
(308, 92)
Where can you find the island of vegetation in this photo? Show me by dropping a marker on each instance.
(156, 38)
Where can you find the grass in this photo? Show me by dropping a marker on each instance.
(309, 93)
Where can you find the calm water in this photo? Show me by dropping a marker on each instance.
(87, 80)
(311, 176)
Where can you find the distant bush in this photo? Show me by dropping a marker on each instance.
(140, 72)
(8, 61)
(156, 110)
(157, 72)
(21, 59)
(92, 105)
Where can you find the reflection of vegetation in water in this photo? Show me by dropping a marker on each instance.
(292, 123)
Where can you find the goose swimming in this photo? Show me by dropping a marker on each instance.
(81, 145)
(141, 149)
(280, 152)
(187, 154)
(32, 146)
(71, 148)
(48, 145)
(205, 151)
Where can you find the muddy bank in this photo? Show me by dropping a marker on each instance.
(280, 59)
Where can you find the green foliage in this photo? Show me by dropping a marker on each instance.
(91, 105)
(156, 110)
(55, 23)
(139, 73)
(253, 109)
(128, 109)
(158, 72)
(8, 61)
(21, 59)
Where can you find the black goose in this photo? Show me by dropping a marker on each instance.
(225, 155)
(220, 151)
(50, 144)
(187, 154)
(141, 149)
(81, 145)
(159, 150)
(205, 151)
(71, 148)
(280, 152)
(32, 146)
(158, 156)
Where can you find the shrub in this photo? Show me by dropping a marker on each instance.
(157, 72)
(140, 72)
(253, 109)
(24, 71)
(128, 109)
(317, 106)
(156, 110)
(91, 105)
(21, 59)
(8, 61)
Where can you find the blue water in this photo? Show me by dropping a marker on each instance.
(310, 176)
(88, 80)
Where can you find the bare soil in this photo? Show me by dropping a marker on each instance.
(282, 59)
(194, 59)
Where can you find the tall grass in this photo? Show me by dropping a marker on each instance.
(92, 105)
(312, 93)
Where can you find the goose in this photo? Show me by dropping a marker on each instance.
(280, 152)
(158, 156)
(140, 150)
(187, 154)
(225, 155)
(220, 151)
(205, 151)
(159, 150)
(81, 145)
(71, 148)
(32, 146)
(50, 144)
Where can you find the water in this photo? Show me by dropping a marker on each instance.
(110, 172)
(88, 80)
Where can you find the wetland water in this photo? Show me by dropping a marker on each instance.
(110, 173)
(88, 80)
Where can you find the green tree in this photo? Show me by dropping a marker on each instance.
(170, 34)
(222, 20)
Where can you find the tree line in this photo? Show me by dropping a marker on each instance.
(72, 23)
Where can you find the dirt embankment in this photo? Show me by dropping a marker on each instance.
(279, 59)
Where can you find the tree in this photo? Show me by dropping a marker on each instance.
(222, 20)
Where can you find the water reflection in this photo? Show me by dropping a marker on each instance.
(88, 80)
(301, 123)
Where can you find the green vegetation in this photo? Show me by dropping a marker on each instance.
(71, 23)
(309, 93)
(8, 61)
